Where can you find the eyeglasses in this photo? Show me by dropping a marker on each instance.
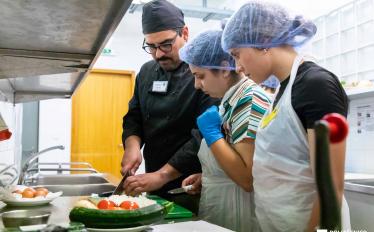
(164, 47)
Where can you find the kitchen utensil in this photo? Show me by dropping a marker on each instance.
(16, 218)
(119, 189)
(180, 190)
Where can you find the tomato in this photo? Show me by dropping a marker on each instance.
(106, 204)
(129, 205)
(338, 127)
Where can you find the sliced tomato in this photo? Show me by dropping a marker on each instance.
(338, 126)
(129, 205)
(106, 204)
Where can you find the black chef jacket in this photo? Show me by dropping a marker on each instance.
(165, 121)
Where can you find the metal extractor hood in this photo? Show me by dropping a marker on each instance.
(48, 46)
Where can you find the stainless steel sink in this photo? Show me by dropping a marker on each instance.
(80, 190)
(360, 185)
(64, 179)
(74, 184)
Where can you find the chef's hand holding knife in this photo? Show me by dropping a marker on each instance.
(132, 158)
(148, 182)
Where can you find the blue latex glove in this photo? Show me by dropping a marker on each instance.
(209, 124)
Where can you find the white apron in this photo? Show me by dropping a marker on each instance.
(284, 184)
(222, 201)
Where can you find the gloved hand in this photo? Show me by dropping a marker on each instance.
(209, 124)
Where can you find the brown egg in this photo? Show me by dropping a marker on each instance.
(30, 189)
(17, 191)
(28, 194)
(42, 189)
(40, 193)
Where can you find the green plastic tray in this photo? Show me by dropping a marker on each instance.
(176, 212)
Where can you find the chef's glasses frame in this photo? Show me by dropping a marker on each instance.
(164, 47)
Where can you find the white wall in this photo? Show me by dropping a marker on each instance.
(309, 8)
(126, 42)
(11, 150)
(55, 129)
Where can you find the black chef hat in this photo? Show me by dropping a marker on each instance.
(161, 15)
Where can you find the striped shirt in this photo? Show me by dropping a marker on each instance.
(242, 109)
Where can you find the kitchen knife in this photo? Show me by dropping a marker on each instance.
(119, 189)
(180, 190)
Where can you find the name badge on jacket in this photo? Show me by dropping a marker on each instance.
(160, 86)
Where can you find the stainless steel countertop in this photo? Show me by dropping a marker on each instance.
(359, 182)
(60, 209)
(361, 186)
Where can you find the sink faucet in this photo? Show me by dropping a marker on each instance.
(31, 159)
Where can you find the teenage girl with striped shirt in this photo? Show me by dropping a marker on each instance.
(226, 154)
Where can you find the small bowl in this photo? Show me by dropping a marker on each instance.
(16, 218)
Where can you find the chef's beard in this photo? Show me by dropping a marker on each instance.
(167, 63)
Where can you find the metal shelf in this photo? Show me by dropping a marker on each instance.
(47, 47)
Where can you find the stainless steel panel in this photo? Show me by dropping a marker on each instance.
(6, 91)
(45, 86)
(70, 26)
(12, 67)
(76, 179)
(360, 185)
(41, 39)
(80, 190)
(361, 209)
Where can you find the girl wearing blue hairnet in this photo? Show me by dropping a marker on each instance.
(226, 157)
(262, 38)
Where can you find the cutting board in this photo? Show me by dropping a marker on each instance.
(176, 212)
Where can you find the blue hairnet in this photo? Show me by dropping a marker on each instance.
(265, 25)
(205, 51)
(271, 82)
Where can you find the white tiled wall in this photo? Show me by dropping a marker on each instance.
(10, 150)
(344, 41)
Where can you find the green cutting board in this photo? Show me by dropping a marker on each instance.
(176, 212)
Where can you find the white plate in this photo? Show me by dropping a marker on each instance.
(31, 201)
(130, 229)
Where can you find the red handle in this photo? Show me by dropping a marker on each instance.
(5, 134)
(338, 126)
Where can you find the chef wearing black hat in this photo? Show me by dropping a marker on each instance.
(162, 113)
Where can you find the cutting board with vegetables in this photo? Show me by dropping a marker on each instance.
(176, 211)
